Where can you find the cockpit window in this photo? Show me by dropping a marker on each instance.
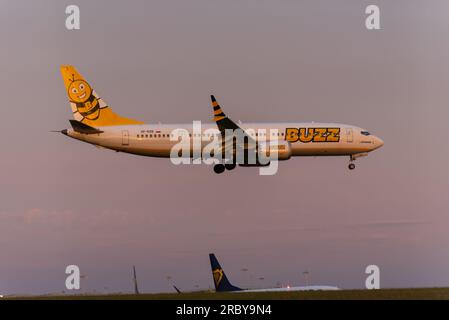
(365, 133)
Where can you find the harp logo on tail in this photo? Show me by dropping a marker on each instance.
(218, 275)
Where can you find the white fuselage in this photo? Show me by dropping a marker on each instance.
(306, 139)
(287, 289)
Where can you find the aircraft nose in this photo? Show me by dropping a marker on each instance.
(378, 142)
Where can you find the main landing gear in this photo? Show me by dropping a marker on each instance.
(220, 168)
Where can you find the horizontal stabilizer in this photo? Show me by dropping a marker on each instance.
(83, 128)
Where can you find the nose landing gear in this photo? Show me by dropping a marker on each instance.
(352, 158)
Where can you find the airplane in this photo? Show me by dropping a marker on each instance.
(222, 283)
(95, 123)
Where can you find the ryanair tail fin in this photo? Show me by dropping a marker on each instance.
(87, 106)
(221, 282)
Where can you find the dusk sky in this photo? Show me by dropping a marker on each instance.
(65, 202)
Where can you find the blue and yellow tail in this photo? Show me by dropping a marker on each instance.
(221, 282)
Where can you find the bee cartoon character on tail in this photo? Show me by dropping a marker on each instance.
(86, 102)
(87, 106)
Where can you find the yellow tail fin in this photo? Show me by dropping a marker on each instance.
(87, 106)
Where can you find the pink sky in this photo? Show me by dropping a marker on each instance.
(64, 202)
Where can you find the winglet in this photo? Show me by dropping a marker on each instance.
(218, 113)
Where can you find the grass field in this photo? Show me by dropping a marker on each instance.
(383, 294)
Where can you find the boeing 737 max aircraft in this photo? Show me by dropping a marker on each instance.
(95, 123)
(222, 283)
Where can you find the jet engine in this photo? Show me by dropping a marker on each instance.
(275, 150)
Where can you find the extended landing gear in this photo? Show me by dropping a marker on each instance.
(351, 164)
(352, 158)
(220, 168)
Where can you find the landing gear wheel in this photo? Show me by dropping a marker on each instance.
(351, 166)
(219, 168)
(229, 166)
